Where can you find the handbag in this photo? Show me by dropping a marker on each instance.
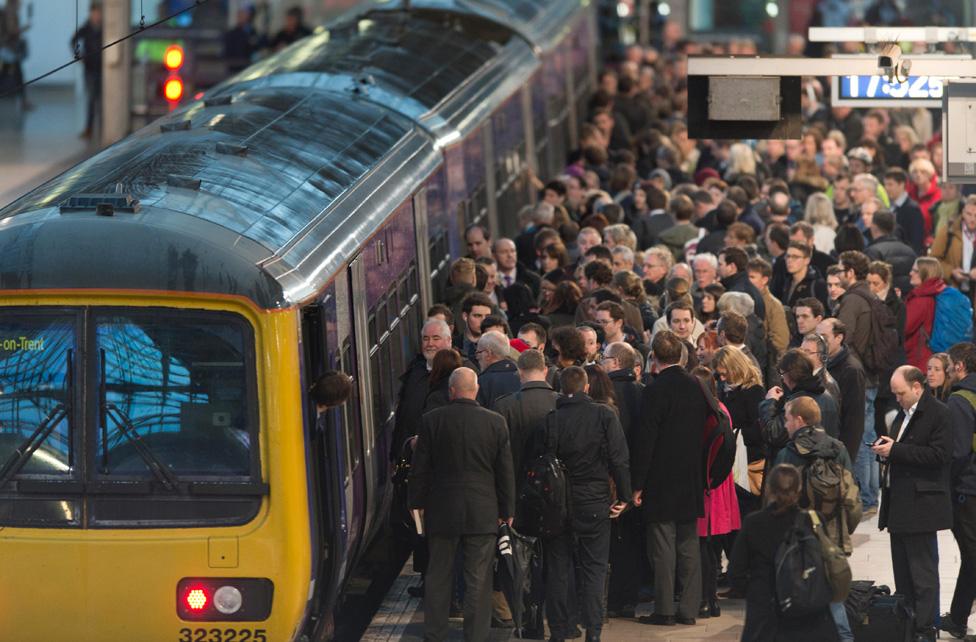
(756, 471)
(740, 467)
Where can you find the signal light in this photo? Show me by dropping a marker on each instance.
(173, 57)
(173, 89)
(196, 599)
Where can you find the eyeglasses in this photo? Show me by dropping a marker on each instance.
(479, 352)
(794, 257)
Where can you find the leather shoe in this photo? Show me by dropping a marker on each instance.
(657, 619)
(704, 611)
(714, 608)
(949, 626)
(415, 591)
(689, 621)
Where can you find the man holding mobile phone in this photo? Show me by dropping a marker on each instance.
(915, 502)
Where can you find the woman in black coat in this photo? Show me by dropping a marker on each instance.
(445, 362)
(753, 568)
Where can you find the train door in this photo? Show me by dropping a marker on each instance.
(336, 471)
(361, 342)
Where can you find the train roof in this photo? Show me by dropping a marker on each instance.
(265, 186)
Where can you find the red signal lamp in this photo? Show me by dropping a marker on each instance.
(173, 57)
(173, 89)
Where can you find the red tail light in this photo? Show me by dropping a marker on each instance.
(197, 599)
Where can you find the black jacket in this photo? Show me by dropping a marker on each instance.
(772, 414)
(847, 370)
(916, 499)
(410, 403)
(525, 413)
(500, 378)
(628, 390)
(812, 285)
(462, 470)
(753, 570)
(525, 245)
(666, 461)
(647, 227)
(589, 441)
(900, 256)
(743, 407)
(739, 282)
(911, 225)
(963, 426)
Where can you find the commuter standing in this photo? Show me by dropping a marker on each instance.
(525, 411)
(962, 411)
(752, 570)
(499, 374)
(587, 438)
(668, 480)
(87, 42)
(915, 501)
(462, 482)
(847, 370)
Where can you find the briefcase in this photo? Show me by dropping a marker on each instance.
(877, 616)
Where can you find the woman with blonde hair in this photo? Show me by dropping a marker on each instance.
(923, 188)
(819, 213)
(937, 376)
(741, 389)
(742, 161)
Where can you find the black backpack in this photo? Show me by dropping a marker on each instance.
(718, 445)
(879, 357)
(543, 504)
(802, 585)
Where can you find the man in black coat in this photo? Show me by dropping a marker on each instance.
(435, 336)
(733, 267)
(915, 502)
(525, 410)
(885, 246)
(587, 438)
(963, 480)
(911, 221)
(798, 381)
(847, 371)
(619, 360)
(499, 375)
(666, 465)
(462, 483)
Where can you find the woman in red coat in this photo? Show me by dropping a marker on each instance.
(721, 518)
(927, 283)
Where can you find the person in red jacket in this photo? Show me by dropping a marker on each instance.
(923, 188)
(927, 283)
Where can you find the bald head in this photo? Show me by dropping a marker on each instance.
(907, 384)
(463, 384)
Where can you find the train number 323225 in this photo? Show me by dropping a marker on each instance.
(222, 635)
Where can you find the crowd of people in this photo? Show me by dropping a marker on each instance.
(815, 292)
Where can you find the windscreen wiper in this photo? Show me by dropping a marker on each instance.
(160, 470)
(25, 450)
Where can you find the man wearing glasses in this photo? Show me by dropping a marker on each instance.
(804, 282)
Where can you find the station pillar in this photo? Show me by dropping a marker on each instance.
(116, 71)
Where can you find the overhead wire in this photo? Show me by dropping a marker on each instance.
(79, 56)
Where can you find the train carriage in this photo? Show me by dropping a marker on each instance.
(166, 303)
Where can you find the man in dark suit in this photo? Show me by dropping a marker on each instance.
(847, 370)
(525, 410)
(619, 360)
(911, 221)
(666, 470)
(733, 267)
(511, 270)
(587, 438)
(499, 375)
(463, 485)
(915, 502)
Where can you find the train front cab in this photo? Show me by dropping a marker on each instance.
(94, 547)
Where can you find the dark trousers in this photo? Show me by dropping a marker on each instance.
(625, 555)
(674, 546)
(915, 562)
(709, 568)
(93, 97)
(479, 552)
(589, 544)
(964, 530)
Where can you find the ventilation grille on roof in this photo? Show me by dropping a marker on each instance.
(103, 204)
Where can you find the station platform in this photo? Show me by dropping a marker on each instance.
(39, 144)
(400, 617)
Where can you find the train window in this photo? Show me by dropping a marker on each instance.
(354, 436)
(37, 356)
(373, 331)
(173, 391)
(379, 401)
